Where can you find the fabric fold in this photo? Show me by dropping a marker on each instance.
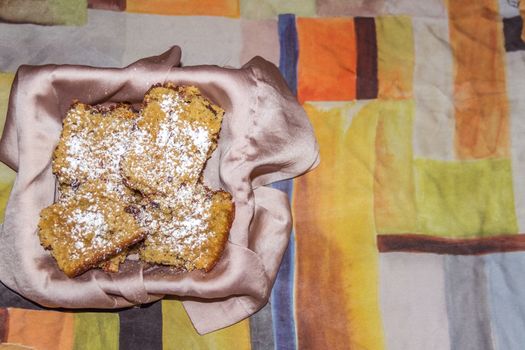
(265, 137)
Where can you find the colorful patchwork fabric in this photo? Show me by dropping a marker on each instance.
(409, 234)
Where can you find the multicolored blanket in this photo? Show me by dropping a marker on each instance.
(407, 236)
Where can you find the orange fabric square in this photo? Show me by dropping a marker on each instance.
(41, 329)
(480, 90)
(327, 59)
(227, 8)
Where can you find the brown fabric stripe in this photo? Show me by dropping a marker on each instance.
(4, 325)
(141, 327)
(112, 5)
(512, 29)
(366, 42)
(416, 243)
(8, 298)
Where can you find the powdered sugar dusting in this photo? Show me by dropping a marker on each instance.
(188, 229)
(185, 145)
(181, 148)
(95, 148)
(88, 230)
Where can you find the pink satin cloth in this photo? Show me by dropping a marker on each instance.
(266, 136)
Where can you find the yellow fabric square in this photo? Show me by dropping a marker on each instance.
(334, 226)
(395, 55)
(7, 176)
(394, 193)
(264, 9)
(96, 331)
(178, 332)
(465, 199)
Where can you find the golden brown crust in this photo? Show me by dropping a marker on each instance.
(222, 243)
(113, 264)
(99, 258)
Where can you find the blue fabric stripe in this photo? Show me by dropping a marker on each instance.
(282, 298)
(507, 298)
(467, 303)
(261, 329)
(289, 49)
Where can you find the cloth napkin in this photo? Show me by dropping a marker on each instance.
(265, 137)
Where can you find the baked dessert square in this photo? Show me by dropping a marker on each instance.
(178, 129)
(91, 146)
(88, 229)
(194, 233)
